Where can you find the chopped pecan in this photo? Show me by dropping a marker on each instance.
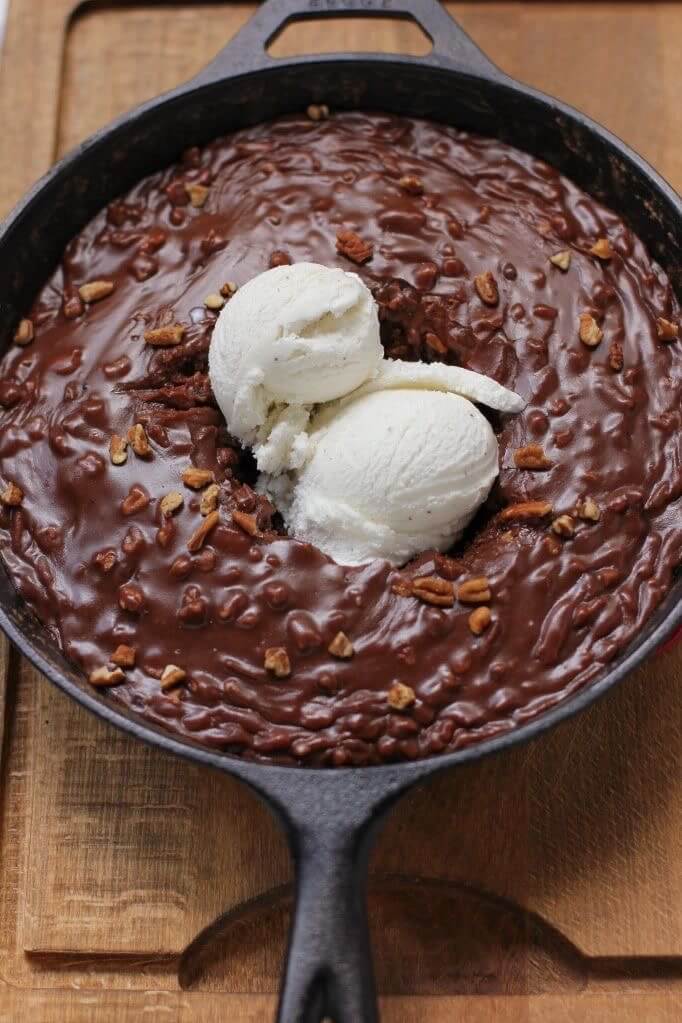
(279, 258)
(486, 287)
(72, 307)
(561, 259)
(196, 478)
(479, 620)
(602, 249)
(474, 591)
(564, 526)
(616, 360)
(136, 500)
(400, 696)
(435, 343)
(589, 331)
(124, 656)
(318, 111)
(95, 291)
(172, 676)
(200, 534)
(412, 184)
(24, 333)
(446, 566)
(532, 456)
(104, 676)
(341, 646)
(137, 438)
(197, 194)
(666, 330)
(12, 496)
(214, 301)
(277, 661)
(228, 289)
(246, 522)
(171, 503)
(118, 450)
(209, 499)
(402, 587)
(351, 245)
(588, 510)
(526, 511)
(105, 560)
(131, 598)
(165, 337)
(432, 589)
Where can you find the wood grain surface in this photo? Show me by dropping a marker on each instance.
(543, 885)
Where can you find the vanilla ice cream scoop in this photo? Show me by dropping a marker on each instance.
(291, 337)
(364, 457)
(392, 474)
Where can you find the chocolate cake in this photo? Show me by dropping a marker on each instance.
(129, 520)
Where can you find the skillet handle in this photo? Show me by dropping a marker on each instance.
(329, 971)
(246, 52)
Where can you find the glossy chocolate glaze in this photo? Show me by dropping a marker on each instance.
(561, 608)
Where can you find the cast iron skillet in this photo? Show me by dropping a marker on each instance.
(331, 817)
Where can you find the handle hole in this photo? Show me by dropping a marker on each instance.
(368, 34)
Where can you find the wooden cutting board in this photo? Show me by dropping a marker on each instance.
(543, 885)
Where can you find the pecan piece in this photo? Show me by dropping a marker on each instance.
(246, 522)
(588, 510)
(400, 696)
(616, 360)
(24, 333)
(209, 499)
(589, 331)
(165, 337)
(479, 620)
(95, 291)
(564, 526)
(412, 184)
(136, 500)
(277, 661)
(486, 288)
(197, 479)
(12, 496)
(666, 330)
(200, 534)
(602, 249)
(431, 589)
(105, 560)
(104, 676)
(171, 503)
(474, 591)
(561, 259)
(124, 656)
(402, 587)
(526, 511)
(138, 440)
(214, 301)
(351, 245)
(318, 111)
(197, 194)
(118, 450)
(172, 676)
(532, 456)
(228, 289)
(341, 646)
(435, 343)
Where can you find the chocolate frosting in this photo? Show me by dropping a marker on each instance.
(439, 207)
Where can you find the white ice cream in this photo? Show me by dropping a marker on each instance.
(366, 458)
(292, 337)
